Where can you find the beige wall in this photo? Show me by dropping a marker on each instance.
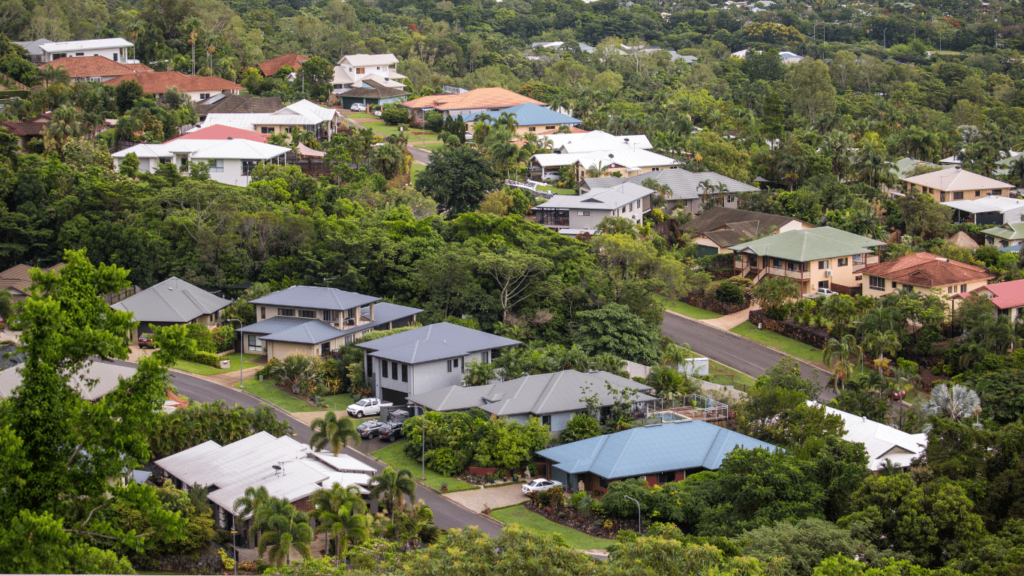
(941, 196)
(267, 312)
(993, 241)
(815, 272)
(581, 172)
(946, 291)
(282, 350)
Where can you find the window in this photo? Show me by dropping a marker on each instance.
(330, 316)
(949, 289)
(823, 264)
(823, 284)
(184, 164)
(394, 370)
(203, 96)
(266, 130)
(958, 195)
(893, 284)
(449, 365)
(842, 262)
(908, 287)
(263, 312)
(307, 314)
(776, 263)
(549, 127)
(405, 372)
(217, 166)
(252, 341)
(383, 368)
(115, 57)
(247, 166)
(286, 312)
(360, 70)
(963, 288)
(533, 129)
(793, 267)
(876, 283)
(455, 362)
(977, 193)
(79, 53)
(485, 356)
(546, 420)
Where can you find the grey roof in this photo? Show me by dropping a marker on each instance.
(537, 394)
(106, 376)
(315, 297)
(309, 332)
(684, 445)
(730, 226)
(286, 328)
(434, 342)
(238, 104)
(611, 198)
(684, 184)
(33, 46)
(275, 324)
(172, 300)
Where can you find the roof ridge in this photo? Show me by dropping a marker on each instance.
(625, 448)
(548, 391)
(718, 431)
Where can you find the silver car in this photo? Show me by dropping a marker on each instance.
(540, 485)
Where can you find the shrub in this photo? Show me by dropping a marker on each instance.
(394, 115)
(729, 293)
(433, 121)
(204, 358)
(223, 338)
(580, 427)
(203, 338)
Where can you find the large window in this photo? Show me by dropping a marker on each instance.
(286, 312)
(958, 195)
(842, 262)
(405, 372)
(383, 368)
(307, 314)
(247, 166)
(217, 166)
(876, 283)
(823, 264)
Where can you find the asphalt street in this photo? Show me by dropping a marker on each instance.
(735, 351)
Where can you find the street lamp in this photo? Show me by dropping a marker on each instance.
(423, 447)
(639, 526)
(234, 544)
(240, 349)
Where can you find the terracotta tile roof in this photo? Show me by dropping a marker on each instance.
(181, 402)
(17, 277)
(138, 68)
(270, 67)
(479, 98)
(89, 66)
(222, 132)
(1006, 295)
(25, 128)
(159, 82)
(956, 180)
(926, 270)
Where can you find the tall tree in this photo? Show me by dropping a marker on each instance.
(334, 431)
(457, 178)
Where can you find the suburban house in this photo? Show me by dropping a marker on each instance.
(90, 68)
(284, 466)
(465, 103)
(373, 93)
(554, 398)
(620, 162)
(197, 88)
(923, 271)
(425, 359)
(1008, 297)
(530, 118)
(357, 70)
(115, 49)
(314, 320)
(323, 122)
(597, 141)
(32, 47)
(720, 228)
(17, 281)
(238, 104)
(92, 382)
(881, 443)
(957, 184)
(688, 192)
(904, 166)
(221, 132)
(572, 215)
(659, 454)
(1009, 234)
(170, 303)
(231, 161)
(271, 66)
(990, 210)
(813, 258)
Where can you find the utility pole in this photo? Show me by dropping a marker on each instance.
(240, 351)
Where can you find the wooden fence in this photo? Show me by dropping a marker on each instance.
(115, 297)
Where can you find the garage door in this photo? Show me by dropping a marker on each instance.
(393, 396)
(560, 475)
(706, 251)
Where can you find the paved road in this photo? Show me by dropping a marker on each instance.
(421, 156)
(735, 351)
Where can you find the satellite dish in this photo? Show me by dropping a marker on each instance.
(276, 467)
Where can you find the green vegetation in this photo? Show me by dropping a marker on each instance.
(779, 342)
(686, 309)
(556, 190)
(396, 457)
(722, 374)
(540, 525)
(291, 403)
(203, 370)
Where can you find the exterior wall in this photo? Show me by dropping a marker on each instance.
(994, 241)
(265, 312)
(693, 206)
(204, 94)
(115, 54)
(622, 170)
(560, 420)
(538, 128)
(941, 196)
(422, 377)
(282, 350)
(812, 274)
(705, 241)
(946, 291)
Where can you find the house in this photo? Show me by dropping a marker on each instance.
(572, 215)
(923, 271)
(353, 71)
(170, 303)
(956, 184)
(35, 53)
(231, 161)
(16, 279)
(619, 162)
(790, 58)
(465, 103)
(425, 359)
(529, 117)
(554, 398)
(688, 192)
(28, 130)
(881, 443)
(815, 258)
(990, 210)
(373, 94)
(221, 132)
(305, 115)
(115, 49)
(314, 320)
(659, 454)
(287, 468)
(719, 228)
(92, 382)
(89, 68)
(1009, 234)
(904, 166)
(1008, 297)
(597, 141)
(238, 104)
(197, 88)
(271, 66)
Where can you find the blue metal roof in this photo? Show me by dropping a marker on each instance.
(651, 450)
(526, 115)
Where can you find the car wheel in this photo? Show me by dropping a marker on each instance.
(359, 414)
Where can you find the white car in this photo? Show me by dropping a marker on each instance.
(357, 107)
(366, 407)
(821, 293)
(540, 485)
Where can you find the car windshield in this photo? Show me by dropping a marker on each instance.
(363, 402)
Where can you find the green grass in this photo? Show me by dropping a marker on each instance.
(290, 403)
(686, 309)
(396, 457)
(415, 170)
(361, 116)
(722, 374)
(541, 525)
(429, 146)
(557, 190)
(779, 342)
(204, 370)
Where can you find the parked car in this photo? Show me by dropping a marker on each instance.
(366, 407)
(540, 485)
(391, 431)
(146, 341)
(821, 293)
(369, 429)
(357, 107)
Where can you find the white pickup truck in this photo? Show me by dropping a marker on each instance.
(821, 293)
(366, 407)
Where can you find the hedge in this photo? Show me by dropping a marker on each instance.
(204, 358)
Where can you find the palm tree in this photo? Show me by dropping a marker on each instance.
(880, 344)
(54, 74)
(957, 404)
(294, 372)
(282, 527)
(608, 362)
(666, 380)
(595, 170)
(417, 517)
(248, 504)
(675, 355)
(392, 485)
(838, 356)
(340, 512)
(479, 373)
(331, 430)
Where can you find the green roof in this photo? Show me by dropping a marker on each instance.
(808, 245)
(1012, 231)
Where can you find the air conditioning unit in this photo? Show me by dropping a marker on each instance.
(828, 273)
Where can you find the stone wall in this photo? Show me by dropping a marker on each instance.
(701, 301)
(800, 332)
(206, 562)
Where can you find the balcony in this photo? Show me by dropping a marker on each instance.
(787, 273)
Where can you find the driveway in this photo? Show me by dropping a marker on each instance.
(479, 499)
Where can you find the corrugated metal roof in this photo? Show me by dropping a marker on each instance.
(600, 198)
(808, 245)
(74, 45)
(881, 442)
(172, 300)
(309, 332)
(526, 115)
(597, 140)
(308, 108)
(369, 59)
(1009, 231)
(986, 204)
(315, 297)
(284, 328)
(440, 338)
(607, 158)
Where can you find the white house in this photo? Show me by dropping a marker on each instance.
(881, 442)
(231, 161)
(353, 70)
(302, 114)
(572, 215)
(115, 49)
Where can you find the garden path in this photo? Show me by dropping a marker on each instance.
(499, 497)
(733, 320)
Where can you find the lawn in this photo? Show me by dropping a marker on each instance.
(541, 525)
(204, 370)
(557, 190)
(415, 170)
(290, 403)
(415, 134)
(361, 116)
(395, 456)
(686, 309)
(429, 146)
(779, 342)
(722, 374)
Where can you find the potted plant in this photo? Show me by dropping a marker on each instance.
(487, 509)
(444, 486)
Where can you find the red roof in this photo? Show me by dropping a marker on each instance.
(89, 66)
(479, 98)
(138, 67)
(159, 82)
(926, 270)
(270, 67)
(220, 132)
(1006, 295)
(25, 128)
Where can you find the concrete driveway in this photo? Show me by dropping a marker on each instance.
(500, 497)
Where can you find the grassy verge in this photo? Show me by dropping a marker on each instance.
(429, 146)
(362, 116)
(541, 525)
(415, 171)
(557, 190)
(779, 342)
(291, 403)
(395, 456)
(686, 309)
(204, 370)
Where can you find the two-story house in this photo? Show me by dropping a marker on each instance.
(116, 49)
(314, 320)
(690, 190)
(815, 258)
(425, 359)
(957, 184)
(572, 215)
(923, 271)
(354, 70)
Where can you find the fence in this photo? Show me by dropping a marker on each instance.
(115, 297)
(688, 408)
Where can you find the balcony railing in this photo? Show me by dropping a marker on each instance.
(787, 273)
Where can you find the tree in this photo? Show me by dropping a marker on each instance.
(334, 431)
(805, 544)
(812, 91)
(340, 512)
(580, 427)
(392, 486)
(6, 305)
(479, 373)
(517, 275)
(457, 178)
(282, 527)
(615, 330)
(247, 505)
(957, 403)
(773, 293)
(294, 372)
(840, 355)
(126, 94)
(316, 74)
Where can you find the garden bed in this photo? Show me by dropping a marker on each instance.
(593, 525)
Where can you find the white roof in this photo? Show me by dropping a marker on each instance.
(207, 150)
(145, 151)
(600, 198)
(619, 156)
(881, 442)
(596, 141)
(341, 76)
(386, 82)
(307, 108)
(97, 44)
(986, 204)
(369, 59)
(253, 120)
(956, 180)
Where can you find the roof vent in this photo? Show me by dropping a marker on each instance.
(230, 138)
(611, 155)
(943, 259)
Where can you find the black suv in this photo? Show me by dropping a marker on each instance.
(369, 429)
(392, 429)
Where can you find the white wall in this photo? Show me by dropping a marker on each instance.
(115, 54)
